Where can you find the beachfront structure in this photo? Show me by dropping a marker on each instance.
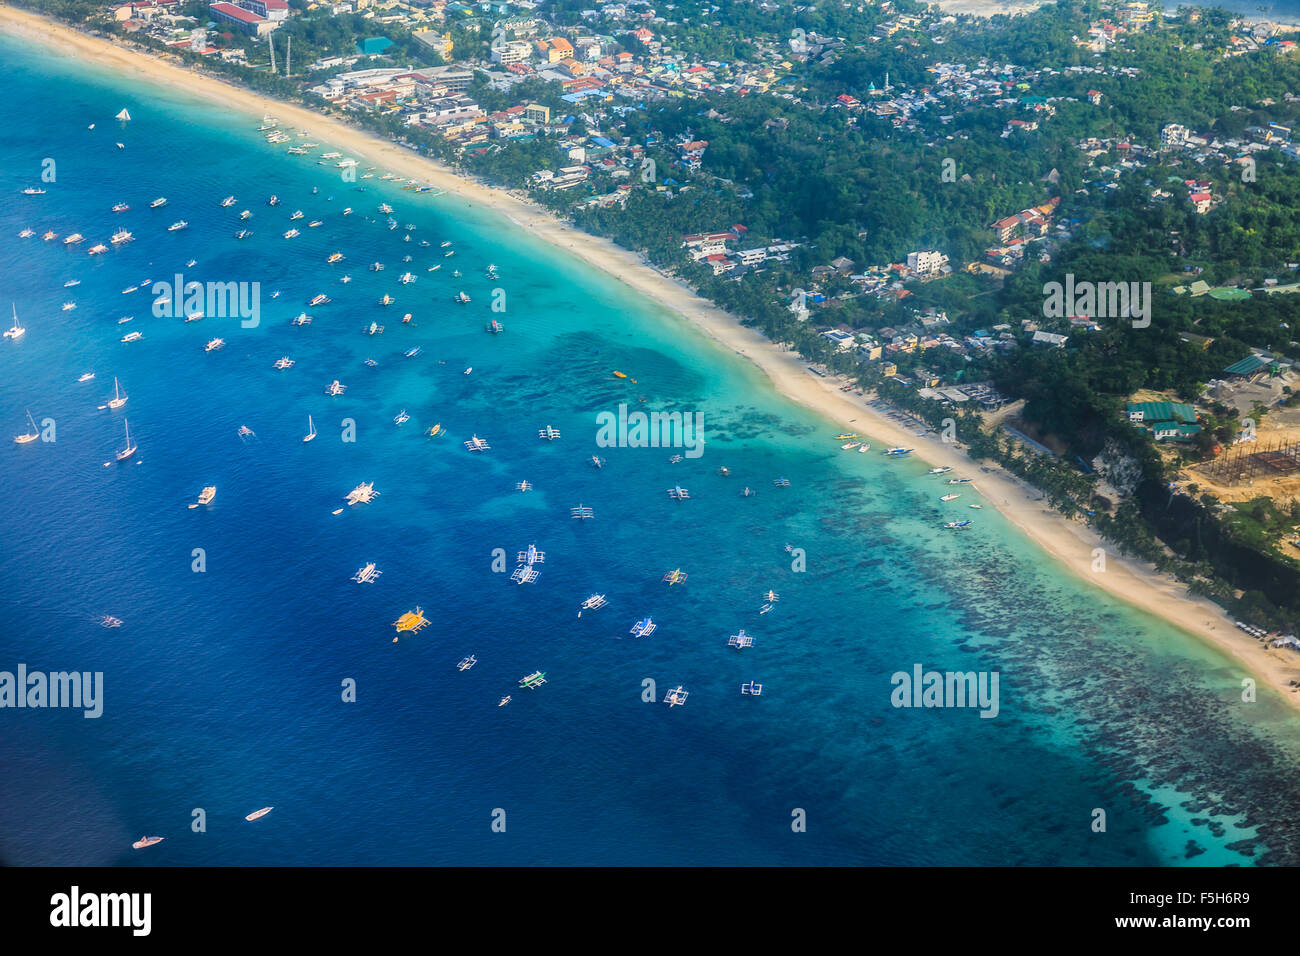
(243, 20)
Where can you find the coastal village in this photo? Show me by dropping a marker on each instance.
(577, 96)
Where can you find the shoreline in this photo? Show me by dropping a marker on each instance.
(1070, 543)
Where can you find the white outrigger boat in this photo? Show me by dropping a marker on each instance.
(367, 574)
(362, 494)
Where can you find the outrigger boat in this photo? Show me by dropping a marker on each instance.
(435, 431)
(401, 418)
(367, 574)
(593, 603)
(495, 327)
(676, 697)
(582, 513)
(109, 621)
(598, 462)
(362, 494)
(941, 470)
(523, 486)
(676, 576)
(528, 572)
(643, 628)
(957, 525)
(533, 681)
(751, 689)
(678, 493)
(740, 640)
(215, 344)
(548, 433)
(410, 622)
(477, 444)
(334, 388)
(897, 452)
(284, 362)
(949, 497)
(467, 663)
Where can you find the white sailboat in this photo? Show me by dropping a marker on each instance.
(130, 448)
(311, 430)
(123, 115)
(118, 399)
(17, 331)
(30, 436)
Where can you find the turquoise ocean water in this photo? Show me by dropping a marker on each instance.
(223, 688)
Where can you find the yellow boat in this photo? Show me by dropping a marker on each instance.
(410, 622)
(619, 374)
(435, 431)
(846, 437)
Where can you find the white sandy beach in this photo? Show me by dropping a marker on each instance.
(1069, 542)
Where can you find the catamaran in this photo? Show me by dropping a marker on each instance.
(130, 448)
(30, 436)
(311, 430)
(17, 331)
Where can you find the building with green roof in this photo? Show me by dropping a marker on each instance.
(1145, 412)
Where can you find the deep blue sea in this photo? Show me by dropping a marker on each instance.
(223, 688)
